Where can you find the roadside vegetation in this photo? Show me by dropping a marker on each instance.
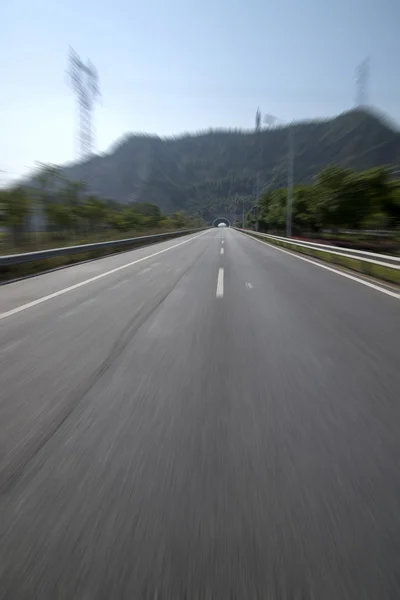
(341, 205)
(57, 212)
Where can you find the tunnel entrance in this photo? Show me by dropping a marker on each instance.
(222, 220)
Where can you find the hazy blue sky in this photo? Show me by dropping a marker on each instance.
(171, 66)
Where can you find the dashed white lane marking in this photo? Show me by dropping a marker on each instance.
(88, 301)
(220, 283)
(69, 313)
(155, 264)
(120, 284)
(342, 273)
(222, 241)
(222, 250)
(249, 285)
(11, 346)
(19, 309)
(146, 270)
(81, 305)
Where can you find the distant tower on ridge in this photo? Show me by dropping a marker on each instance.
(258, 120)
(362, 79)
(84, 81)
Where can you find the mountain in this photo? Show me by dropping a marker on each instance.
(202, 173)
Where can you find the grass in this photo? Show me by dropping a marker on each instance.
(383, 272)
(45, 241)
(368, 243)
(11, 272)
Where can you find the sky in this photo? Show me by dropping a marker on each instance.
(167, 67)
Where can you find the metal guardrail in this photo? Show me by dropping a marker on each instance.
(371, 257)
(15, 259)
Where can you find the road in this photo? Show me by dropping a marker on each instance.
(209, 417)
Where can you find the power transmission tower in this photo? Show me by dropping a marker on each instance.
(362, 77)
(258, 120)
(84, 81)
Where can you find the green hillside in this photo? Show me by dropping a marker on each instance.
(203, 173)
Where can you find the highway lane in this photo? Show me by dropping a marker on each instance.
(55, 350)
(221, 425)
(30, 289)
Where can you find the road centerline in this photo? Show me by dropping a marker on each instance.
(220, 283)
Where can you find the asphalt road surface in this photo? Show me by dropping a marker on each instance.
(206, 418)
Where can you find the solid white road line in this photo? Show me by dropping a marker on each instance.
(23, 307)
(220, 283)
(342, 273)
(222, 250)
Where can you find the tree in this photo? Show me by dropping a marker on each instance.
(273, 209)
(16, 207)
(331, 204)
(45, 179)
(94, 211)
(150, 210)
(393, 208)
(58, 216)
(305, 212)
(179, 219)
(134, 221)
(72, 196)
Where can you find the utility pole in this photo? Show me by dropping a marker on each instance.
(290, 183)
(257, 200)
(236, 207)
(271, 120)
(259, 156)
